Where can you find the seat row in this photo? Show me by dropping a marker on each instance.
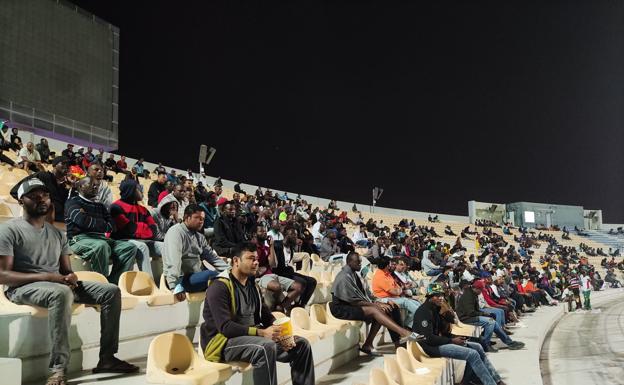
(173, 360)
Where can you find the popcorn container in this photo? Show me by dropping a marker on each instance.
(286, 339)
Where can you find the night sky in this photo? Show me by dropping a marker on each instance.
(438, 103)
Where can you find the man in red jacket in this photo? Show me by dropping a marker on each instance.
(134, 223)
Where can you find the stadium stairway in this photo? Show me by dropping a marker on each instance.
(603, 237)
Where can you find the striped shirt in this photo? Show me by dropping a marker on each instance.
(85, 216)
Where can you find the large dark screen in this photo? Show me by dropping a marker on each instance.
(57, 59)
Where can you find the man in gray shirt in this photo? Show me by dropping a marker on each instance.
(35, 267)
(184, 249)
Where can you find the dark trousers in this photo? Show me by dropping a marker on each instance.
(308, 283)
(263, 354)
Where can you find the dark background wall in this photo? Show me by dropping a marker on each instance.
(438, 102)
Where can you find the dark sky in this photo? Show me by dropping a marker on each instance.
(438, 102)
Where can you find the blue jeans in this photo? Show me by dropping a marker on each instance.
(498, 313)
(363, 243)
(489, 327)
(433, 272)
(196, 282)
(477, 362)
(410, 306)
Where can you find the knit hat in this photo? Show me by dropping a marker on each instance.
(127, 189)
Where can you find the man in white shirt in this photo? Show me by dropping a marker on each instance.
(317, 232)
(275, 233)
(29, 158)
(360, 237)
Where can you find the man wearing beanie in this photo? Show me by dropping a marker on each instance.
(134, 223)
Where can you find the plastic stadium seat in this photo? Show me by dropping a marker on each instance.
(8, 307)
(191, 297)
(172, 360)
(308, 335)
(140, 285)
(318, 315)
(379, 377)
(5, 211)
(317, 260)
(462, 329)
(331, 317)
(410, 365)
(417, 354)
(92, 276)
(402, 377)
(305, 261)
(301, 318)
(322, 291)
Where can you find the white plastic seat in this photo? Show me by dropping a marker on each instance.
(330, 316)
(318, 315)
(302, 320)
(403, 377)
(379, 377)
(141, 286)
(172, 360)
(419, 355)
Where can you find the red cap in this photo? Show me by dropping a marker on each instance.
(478, 284)
(221, 201)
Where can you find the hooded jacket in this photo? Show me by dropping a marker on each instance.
(132, 220)
(161, 217)
(220, 319)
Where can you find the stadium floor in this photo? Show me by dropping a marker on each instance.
(587, 347)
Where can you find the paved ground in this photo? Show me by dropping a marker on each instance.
(587, 348)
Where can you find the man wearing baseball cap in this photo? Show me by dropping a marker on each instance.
(57, 185)
(429, 323)
(35, 267)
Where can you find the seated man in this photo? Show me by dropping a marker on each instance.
(350, 301)
(284, 252)
(104, 193)
(429, 322)
(34, 265)
(330, 251)
(184, 249)
(430, 268)
(157, 187)
(29, 158)
(135, 224)
(88, 223)
(227, 231)
(212, 213)
(239, 327)
(468, 312)
(360, 237)
(273, 282)
(165, 216)
(407, 283)
(386, 290)
(57, 185)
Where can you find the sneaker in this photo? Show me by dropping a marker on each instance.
(491, 349)
(412, 337)
(516, 345)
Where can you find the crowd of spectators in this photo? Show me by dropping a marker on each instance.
(252, 248)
